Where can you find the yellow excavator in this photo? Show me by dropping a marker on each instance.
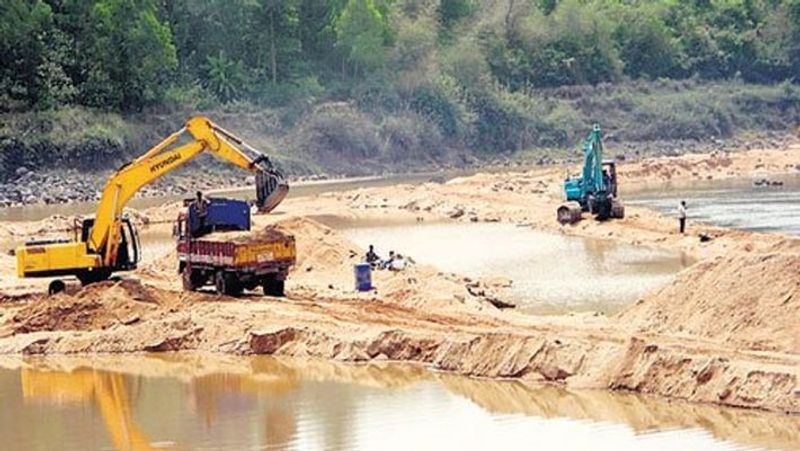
(108, 242)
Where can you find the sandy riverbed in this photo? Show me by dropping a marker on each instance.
(725, 331)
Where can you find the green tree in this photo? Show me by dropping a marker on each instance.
(280, 19)
(547, 6)
(451, 11)
(129, 55)
(646, 45)
(572, 45)
(225, 78)
(31, 73)
(361, 30)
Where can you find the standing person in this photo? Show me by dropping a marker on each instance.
(201, 204)
(682, 215)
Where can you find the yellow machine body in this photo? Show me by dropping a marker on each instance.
(54, 259)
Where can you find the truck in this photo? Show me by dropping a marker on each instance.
(217, 247)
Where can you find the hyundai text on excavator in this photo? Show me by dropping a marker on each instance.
(595, 190)
(108, 242)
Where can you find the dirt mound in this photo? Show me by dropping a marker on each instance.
(751, 300)
(98, 306)
(267, 234)
(163, 268)
(52, 226)
(319, 248)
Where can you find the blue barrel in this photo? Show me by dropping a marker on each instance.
(363, 276)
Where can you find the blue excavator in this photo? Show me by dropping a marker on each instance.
(595, 190)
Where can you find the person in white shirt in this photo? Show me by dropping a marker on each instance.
(682, 215)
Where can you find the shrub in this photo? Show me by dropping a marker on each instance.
(409, 137)
(336, 134)
(510, 121)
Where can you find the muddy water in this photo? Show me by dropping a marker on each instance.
(733, 203)
(551, 273)
(187, 401)
(36, 212)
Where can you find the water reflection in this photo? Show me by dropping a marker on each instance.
(106, 392)
(189, 401)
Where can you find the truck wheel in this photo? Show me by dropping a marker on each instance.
(189, 279)
(221, 283)
(56, 286)
(227, 284)
(273, 287)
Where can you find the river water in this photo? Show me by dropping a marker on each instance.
(189, 401)
(734, 203)
(550, 273)
(36, 212)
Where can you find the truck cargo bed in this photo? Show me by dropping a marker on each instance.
(240, 249)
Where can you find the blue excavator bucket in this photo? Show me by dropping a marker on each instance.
(271, 189)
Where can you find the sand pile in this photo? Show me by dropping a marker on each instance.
(162, 269)
(750, 300)
(268, 233)
(98, 306)
(319, 248)
(50, 227)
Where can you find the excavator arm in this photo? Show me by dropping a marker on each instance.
(593, 161)
(165, 157)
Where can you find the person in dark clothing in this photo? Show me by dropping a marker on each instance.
(387, 264)
(682, 216)
(201, 205)
(372, 258)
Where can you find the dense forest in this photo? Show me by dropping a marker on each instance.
(377, 78)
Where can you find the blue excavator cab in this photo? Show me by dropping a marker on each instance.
(595, 189)
(573, 188)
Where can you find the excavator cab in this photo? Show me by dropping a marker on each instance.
(610, 176)
(128, 254)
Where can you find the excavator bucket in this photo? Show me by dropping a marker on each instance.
(271, 189)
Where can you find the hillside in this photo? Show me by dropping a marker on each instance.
(368, 86)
